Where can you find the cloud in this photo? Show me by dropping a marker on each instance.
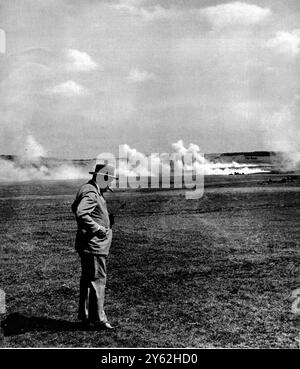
(80, 61)
(139, 76)
(140, 10)
(235, 14)
(68, 89)
(286, 42)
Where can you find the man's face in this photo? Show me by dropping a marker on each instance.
(103, 181)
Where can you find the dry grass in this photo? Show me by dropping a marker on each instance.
(214, 272)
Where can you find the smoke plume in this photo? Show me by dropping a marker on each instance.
(282, 133)
(32, 164)
(137, 164)
(33, 151)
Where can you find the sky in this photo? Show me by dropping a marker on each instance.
(85, 76)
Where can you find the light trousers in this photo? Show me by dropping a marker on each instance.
(92, 288)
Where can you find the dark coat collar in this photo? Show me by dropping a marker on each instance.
(93, 183)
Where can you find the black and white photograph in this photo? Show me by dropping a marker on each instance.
(149, 176)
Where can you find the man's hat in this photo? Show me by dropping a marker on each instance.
(104, 170)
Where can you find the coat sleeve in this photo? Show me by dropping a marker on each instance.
(84, 210)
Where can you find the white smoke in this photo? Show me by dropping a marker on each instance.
(139, 163)
(32, 165)
(29, 166)
(12, 171)
(136, 164)
(282, 133)
(33, 151)
(209, 168)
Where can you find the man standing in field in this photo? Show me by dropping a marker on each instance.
(93, 240)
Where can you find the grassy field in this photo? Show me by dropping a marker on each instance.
(213, 272)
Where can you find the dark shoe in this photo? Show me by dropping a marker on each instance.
(103, 326)
(85, 323)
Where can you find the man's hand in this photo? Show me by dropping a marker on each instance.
(101, 233)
